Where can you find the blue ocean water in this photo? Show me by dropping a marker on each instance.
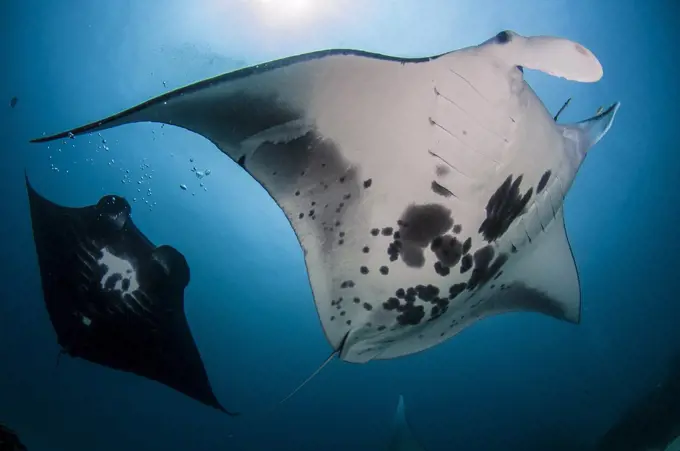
(516, 381)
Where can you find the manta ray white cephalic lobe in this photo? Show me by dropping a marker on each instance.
(426, 193)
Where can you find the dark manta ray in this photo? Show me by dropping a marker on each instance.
(652, 422)
(9, 440)
(113, 297)
(426, 193)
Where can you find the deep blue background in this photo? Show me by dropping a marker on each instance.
(517, 381)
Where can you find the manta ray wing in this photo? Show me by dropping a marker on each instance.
(400, 177)
(113, 297)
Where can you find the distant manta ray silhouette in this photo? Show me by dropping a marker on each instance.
(9, 440)
(426, 193)
(113, 297)
(403, 438)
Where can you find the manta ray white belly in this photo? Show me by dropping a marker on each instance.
(444, 217)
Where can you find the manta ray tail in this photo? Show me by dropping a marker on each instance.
(272, 408)
(335, 352)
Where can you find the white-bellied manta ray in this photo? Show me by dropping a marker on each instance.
(426, 193)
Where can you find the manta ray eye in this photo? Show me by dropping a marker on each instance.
(504, 37)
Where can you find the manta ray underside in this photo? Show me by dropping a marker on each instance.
(113, 297)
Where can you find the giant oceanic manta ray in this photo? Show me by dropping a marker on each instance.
(113, 297)
(425, 193)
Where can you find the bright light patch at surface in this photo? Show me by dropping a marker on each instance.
(287, 12)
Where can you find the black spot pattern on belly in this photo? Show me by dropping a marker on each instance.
(441, 269)
(448, 250)
(418, 226)
(544, 181)
(485, 270)
(391, 304)
(504, 206)
(347, 284)
(483, 256)
(440, 190)
(404, 303)
(467, 245)
(312, 168)
(411, 315)
(431, 228)
(465, 263)
(456, 289)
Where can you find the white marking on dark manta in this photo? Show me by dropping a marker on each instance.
(349, 143)
(113, 297)
(119, 275)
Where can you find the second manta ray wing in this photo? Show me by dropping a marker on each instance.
(113, 297)
(425, 193)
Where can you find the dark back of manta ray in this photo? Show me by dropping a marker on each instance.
(9, 440)
(100, 314)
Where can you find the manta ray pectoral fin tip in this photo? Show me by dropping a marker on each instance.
(596, 127)
(229, 412)
(44, 139)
